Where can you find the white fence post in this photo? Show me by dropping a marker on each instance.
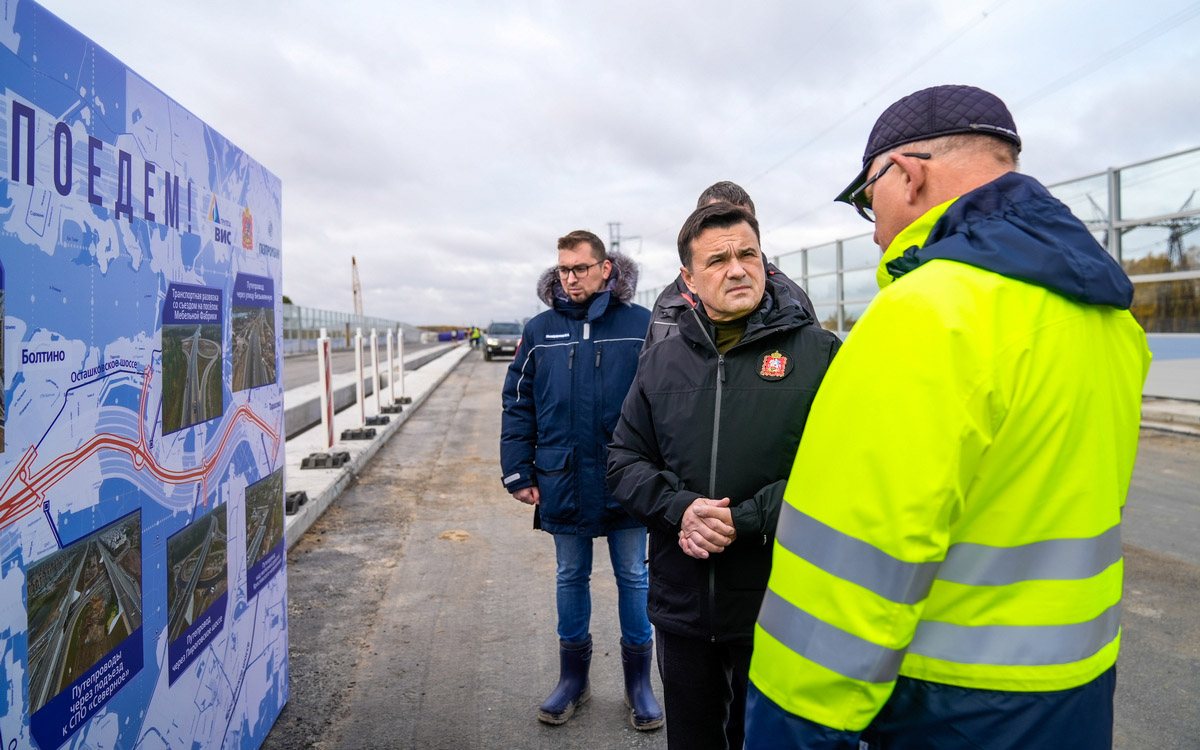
(376, 382)
(358, 368)
(325, 376)
(400, 346)
(391, 370)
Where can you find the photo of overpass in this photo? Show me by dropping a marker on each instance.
(253, 347)
(192, 391)
(264, 517)
(83, 601)
(197, 569)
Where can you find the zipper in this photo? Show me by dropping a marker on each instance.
(712, 600)
(571, 359)
(597, 393)
(712, 470)
(712, 492)
(712, 476)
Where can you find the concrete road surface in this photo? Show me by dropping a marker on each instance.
(421, 606)
(1158, 672)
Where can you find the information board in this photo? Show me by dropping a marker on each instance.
(142, 566)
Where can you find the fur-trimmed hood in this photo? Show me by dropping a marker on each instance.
(622, 282)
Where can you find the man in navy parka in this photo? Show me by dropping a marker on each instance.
(562, 397)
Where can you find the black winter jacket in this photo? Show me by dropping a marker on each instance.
(700, 424)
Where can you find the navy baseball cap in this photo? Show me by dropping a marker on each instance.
(932, 113)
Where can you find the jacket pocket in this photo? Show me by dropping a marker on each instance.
(555, 478)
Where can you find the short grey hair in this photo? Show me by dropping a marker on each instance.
(968, 145)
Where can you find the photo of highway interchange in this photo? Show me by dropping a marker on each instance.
(191, 390)
(253, 346)
(264, 517)
(196, 569)
(83, 601)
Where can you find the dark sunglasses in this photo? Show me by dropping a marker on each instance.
(859, 198)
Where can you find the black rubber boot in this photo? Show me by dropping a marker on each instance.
(644, 711)
(573, 689)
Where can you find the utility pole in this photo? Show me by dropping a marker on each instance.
(615, 238)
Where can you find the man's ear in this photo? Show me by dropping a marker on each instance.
(914, 176)
(687, 278)
(607, 268)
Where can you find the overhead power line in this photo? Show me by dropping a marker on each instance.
(1109, 56)
(936, 50)
(1114, 54)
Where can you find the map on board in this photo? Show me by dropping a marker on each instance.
(141, 430)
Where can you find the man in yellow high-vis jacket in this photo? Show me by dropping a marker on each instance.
(947, 565)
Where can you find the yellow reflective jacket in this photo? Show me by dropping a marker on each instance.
(953, 513)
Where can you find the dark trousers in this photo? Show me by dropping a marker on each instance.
(704, 691)
(931, 716)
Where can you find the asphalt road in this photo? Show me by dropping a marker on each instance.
(1158, 672)
(421, 605)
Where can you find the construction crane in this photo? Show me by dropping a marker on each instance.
(358, 307)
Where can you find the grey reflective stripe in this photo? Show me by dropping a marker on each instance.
(966, 563)
(1050, 560)
(623, 338)
(1016, 645)
(852, 559)
(831, 647)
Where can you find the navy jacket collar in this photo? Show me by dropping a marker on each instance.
(1013, 226)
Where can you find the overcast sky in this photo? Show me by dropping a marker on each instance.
(447, 145)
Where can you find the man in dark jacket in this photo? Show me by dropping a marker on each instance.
(676, 299)
(701, 454)
(562, 397)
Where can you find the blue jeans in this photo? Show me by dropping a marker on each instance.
(627, 551)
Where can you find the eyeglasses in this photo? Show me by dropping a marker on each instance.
(579, 271)
(859, 198)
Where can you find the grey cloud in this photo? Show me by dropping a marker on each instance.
(446, 146)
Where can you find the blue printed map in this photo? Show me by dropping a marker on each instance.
(142, 426)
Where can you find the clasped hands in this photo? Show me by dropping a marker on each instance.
(706, 527)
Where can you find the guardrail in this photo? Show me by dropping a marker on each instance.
(302, 326)
(1141, 213)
